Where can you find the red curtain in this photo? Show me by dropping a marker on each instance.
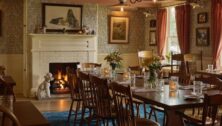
(183, 27)
(161, 31)
(216, 28)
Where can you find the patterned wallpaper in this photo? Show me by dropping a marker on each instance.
(96, 17)
(136, 31)
(207, 50)
(11, 39)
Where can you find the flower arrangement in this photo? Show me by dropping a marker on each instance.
(114, 59)
(154, 68)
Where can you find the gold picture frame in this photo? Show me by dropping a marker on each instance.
(118, 30)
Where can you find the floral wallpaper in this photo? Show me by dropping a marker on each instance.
(11, 38)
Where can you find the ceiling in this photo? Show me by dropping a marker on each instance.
(143, 4)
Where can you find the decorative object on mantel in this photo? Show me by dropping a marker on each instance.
(58, 17)
(119, 30)
(43, 89)
(202, 36)
(114, 59)
(202, 17)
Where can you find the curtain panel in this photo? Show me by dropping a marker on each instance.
(216, 12)
(161, 31)
(183, 27)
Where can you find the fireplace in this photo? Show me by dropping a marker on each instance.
(60, 83)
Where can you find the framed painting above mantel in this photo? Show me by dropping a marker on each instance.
(61, 17)
(118, 30)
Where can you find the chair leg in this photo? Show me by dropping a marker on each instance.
(76, 111)
(154, 113)
(82, 118)
(164, 119)
(113, 122)
(70, 111)
(144, 106)
(90, 116)
(150, 114)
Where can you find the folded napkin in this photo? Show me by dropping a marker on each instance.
(144, 90)
(188, 87)
(123, 82)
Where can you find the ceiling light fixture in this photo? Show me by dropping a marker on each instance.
(150, 12)
(197, 3)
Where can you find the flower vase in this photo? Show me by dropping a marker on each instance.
(153, 78)
(113, 66)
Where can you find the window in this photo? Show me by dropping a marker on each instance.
(172, 44)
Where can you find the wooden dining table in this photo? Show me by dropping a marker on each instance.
(214, 73)
(171, 101)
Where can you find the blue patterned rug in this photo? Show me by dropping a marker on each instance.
(59, 118)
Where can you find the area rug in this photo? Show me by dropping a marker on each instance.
(60, 118)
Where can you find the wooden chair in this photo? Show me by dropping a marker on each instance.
(86, 91)
(75, 94)
(103, 101)
(8, 115)
(177, 63)
(209, 116)
(145, 58)
(125, 116)
(193, 62)
(135, 70)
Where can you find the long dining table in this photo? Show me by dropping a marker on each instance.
(171, 101)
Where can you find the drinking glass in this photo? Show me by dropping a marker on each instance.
(160, 84)
(173, 83)
(197, 87)
(210, 67)
(133, 80)
(146, 76)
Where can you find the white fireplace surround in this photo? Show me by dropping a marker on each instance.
(52, 48)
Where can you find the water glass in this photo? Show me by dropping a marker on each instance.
(173, 83)
(146, 76)
(160, 84)
(133, 80)
(210, 67)
(197, 87)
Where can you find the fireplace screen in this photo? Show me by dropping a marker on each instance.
(60, 83)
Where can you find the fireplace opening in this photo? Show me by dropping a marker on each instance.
(60, 83)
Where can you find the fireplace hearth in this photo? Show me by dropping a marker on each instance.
(60, 83)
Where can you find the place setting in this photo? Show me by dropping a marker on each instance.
(197, 91)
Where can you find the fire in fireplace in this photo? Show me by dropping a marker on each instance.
(60, 84)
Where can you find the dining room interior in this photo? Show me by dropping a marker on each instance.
(111, 62)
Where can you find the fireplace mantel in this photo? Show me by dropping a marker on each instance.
(43, 49)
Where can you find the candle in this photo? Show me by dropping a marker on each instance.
(106, 72)
(172, 94)
(125, 76)
(172, 85)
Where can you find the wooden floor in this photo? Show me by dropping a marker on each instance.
(49, 105)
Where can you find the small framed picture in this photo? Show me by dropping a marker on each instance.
(202, 18)
(202, 36)
(152, 23)
(118, 30)
(152, 38)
